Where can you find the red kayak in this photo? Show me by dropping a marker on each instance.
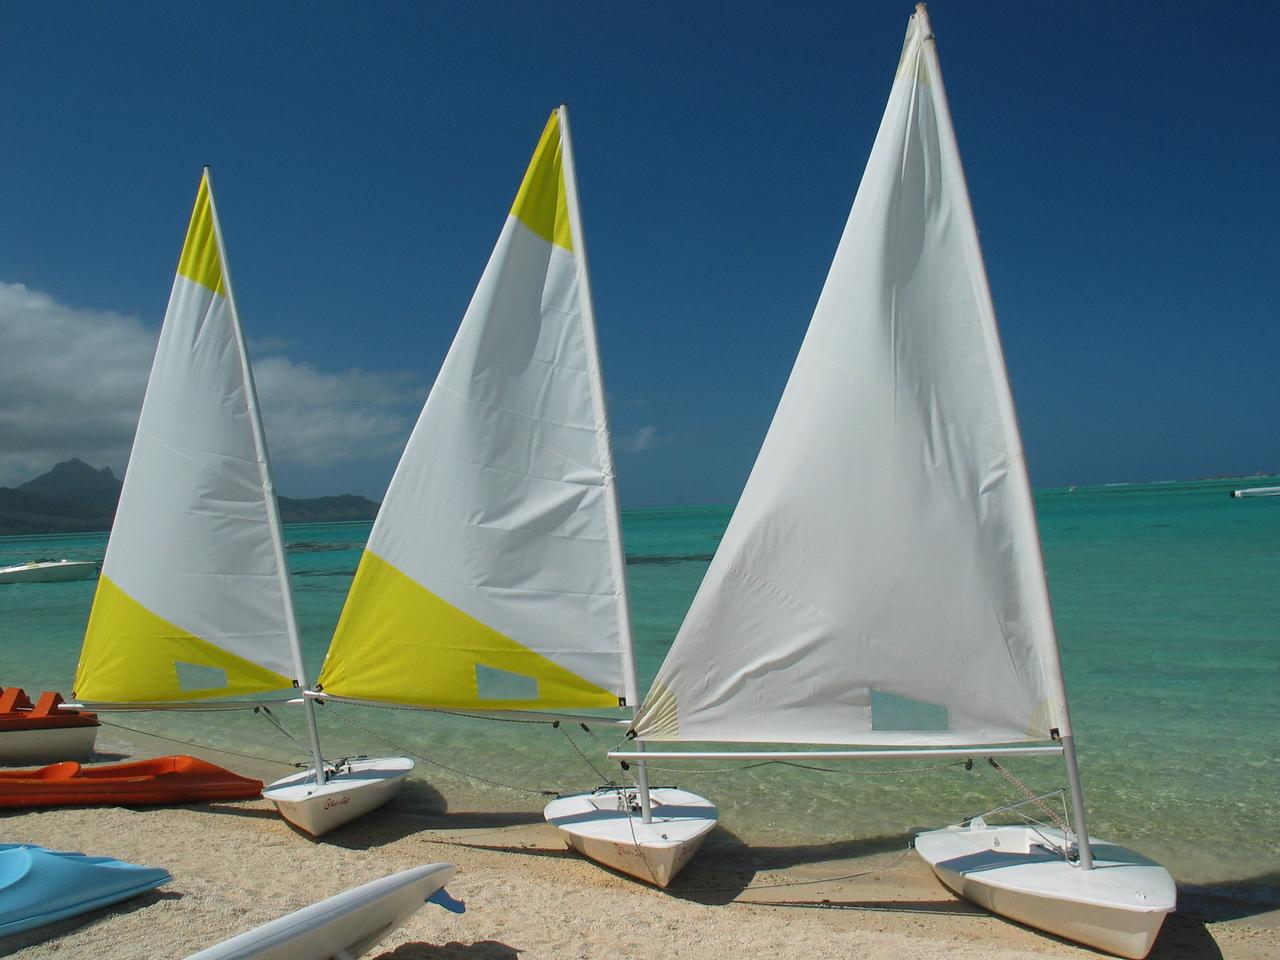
(161, 780)
(43, 732)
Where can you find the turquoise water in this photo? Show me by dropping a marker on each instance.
(1168, 612)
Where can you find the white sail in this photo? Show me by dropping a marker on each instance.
(194, 600)
(493, 577)
(881, 580)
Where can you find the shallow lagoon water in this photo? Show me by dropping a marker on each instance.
(1168, 610)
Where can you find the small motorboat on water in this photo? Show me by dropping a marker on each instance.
(48, 571)
(160, 780)
(43, 732)
(39, 886)
(1255, 492)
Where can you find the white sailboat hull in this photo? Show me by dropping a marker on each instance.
(1118, 906)
(49, 571)
(359, 787)
(347, 925)
(595, 826)
(22, 747)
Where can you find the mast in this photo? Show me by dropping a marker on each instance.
(273, 508)
(617, 555)
(1025, 507)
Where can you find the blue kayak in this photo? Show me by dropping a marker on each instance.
(39, 886)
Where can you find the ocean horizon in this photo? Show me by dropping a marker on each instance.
(1166, 602)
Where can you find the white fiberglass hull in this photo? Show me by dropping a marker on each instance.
(607, 829)
(49, 571)
(358, 787)
(347, 925)
(1118, 906)
(1256, 492)
(26, 747)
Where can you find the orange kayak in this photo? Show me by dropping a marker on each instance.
(161, 780)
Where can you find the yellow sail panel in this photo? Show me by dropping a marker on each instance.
(130, 655)
(398, 642)
(540, 203)
(200, 260)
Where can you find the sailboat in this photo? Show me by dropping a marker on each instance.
(194, 599)
(494, 578)
(880, 584)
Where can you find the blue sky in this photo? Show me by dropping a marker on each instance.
(1122, 161)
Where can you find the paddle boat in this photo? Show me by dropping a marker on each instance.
(39, 886)
(42, 732)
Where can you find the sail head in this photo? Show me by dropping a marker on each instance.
(880, 581)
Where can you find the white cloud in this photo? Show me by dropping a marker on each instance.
(72, 379)
(646, 438)
(314, 418)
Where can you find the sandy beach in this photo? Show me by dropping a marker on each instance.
(236, 865)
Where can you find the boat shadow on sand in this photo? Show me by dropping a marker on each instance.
(418, 808)
(17, 942)
(727, 868)
(480, 950)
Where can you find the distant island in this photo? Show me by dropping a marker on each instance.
(74, 497)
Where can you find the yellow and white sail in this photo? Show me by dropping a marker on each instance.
(193, 600)
(493, 577)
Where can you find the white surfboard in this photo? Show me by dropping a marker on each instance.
(345, 926)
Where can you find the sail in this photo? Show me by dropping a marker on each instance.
(880, 581)
(493, 576)
(192, 601)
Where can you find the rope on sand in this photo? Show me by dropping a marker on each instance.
(193, 743)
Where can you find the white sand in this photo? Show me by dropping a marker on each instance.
(238, 865)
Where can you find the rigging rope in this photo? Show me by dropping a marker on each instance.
(193, 743)
(563, 729)
(444, 766)
(279, 726)
(1031, 796)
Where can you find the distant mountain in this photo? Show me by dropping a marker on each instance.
(27, 513)
(77, 482)
(74, 497)
(348, 506)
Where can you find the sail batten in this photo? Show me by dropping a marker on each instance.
(194, 598)
(488, 581)
(880, 582)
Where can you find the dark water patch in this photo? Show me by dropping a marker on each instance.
(308, 547)
(639, 560)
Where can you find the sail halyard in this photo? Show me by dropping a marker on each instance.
(274, 523)
(880, 582)
(613, 516)
(612, 513)
(489, 582)
(194, 601)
